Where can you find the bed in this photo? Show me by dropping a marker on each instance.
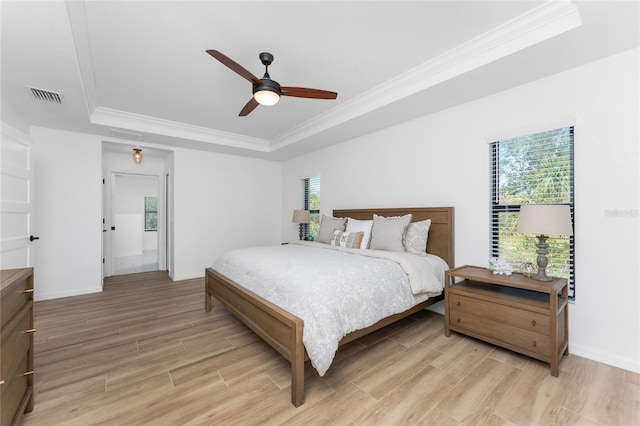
(283, 330)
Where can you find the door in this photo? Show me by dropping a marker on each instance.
(16, 187)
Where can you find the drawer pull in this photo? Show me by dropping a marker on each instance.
(533, 323)
(458, 303)
(1, 382)
(31, 330)
(29, 290)
(534, 343)
(458, 320)
(28, 373)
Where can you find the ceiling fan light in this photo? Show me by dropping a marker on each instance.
(266, 97)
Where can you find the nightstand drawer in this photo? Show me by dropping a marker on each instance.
(505, 333)
(524, 319)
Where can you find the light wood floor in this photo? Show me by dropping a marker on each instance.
(145, 351)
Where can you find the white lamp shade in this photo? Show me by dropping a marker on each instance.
(301, 216)
(266, 97)
(545, 219)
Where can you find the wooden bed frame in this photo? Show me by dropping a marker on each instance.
(283, 331)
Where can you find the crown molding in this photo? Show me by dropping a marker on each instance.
(80, 36)
(536, 25)
(142, 123)
(541, 23)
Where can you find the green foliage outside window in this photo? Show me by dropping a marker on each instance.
(311, 202)
(150, 213)
(532, 169)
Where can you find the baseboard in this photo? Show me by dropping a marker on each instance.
(186, 277)
(608, 358)
(58, 295)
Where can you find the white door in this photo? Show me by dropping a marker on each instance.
(16, 187)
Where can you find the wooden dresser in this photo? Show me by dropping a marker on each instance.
(515, 312)
(16, 344)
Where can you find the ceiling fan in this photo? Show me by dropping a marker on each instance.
(265, 90)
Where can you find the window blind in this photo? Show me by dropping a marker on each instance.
(532, 169)
(311, 202)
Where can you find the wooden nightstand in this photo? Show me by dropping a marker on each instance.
(514, 312)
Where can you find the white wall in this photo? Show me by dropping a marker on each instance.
(129, 208)
(222, 202)
(443, 160)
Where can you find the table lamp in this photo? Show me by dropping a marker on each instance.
(544, 220)
(300, 217)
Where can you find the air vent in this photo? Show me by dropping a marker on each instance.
(48, 96)
(125, 134)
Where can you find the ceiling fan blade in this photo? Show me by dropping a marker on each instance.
(239, 69)
(250, 106)
(303, 92)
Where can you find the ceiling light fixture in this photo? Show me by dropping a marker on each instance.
(137, 155)
(268, 93)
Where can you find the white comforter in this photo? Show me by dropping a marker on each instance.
(334, 290)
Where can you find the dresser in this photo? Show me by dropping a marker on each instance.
(515, 312)
(16, 344)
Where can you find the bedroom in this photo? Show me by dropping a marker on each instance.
(444, 158)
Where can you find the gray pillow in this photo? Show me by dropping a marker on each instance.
(387, 233)
(329, 224)
(415, 239)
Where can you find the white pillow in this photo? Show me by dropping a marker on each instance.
(415, 239)
(364, 226)
(387, 233)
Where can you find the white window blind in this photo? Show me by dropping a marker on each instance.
(532, 169)
(311, 202)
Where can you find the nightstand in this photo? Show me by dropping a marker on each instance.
(514, 312)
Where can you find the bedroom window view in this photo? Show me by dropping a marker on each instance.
(532, 169)
(311, 202)
(150, 213)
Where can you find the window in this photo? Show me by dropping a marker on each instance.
(311, 202)
(150, 213)
(532, 169)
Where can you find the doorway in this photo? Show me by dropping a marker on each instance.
(134, 223)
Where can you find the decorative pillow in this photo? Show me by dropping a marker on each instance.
(329, 224)
(415, 239)
(346, 239)
(387, 233)
(355, 225)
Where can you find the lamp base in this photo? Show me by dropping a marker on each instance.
(542, 261)
(541, 277)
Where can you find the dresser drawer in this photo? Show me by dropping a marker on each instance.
(16, 291)
(13, 392)
(521, 318)
(496, 330)
(15, 343)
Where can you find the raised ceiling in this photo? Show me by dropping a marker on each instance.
(138, 69)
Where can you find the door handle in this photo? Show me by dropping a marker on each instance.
(31, 238)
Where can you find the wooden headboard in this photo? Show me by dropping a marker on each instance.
(441, 238)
